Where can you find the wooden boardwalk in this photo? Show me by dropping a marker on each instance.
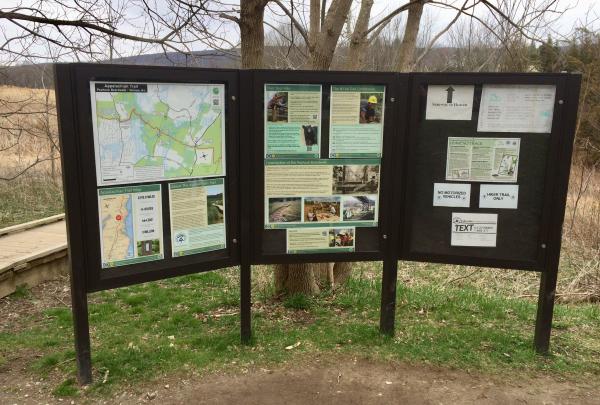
(23, 248)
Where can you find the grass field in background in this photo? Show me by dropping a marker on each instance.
(191, 323)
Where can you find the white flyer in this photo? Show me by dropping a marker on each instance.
(449, 102)
(516, 108)
(477, 230)
(451, 195)
(499, 196)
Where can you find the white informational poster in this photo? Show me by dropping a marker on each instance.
(449, 102)
(483, 159)
(499, 196)
(451, 195)
(197, 212)
(130, 224)
(516, 108)
(470, 229)
(147, 132)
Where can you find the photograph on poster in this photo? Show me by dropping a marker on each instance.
(214, 204)
(341, 237)
(322, 209)
(371, 108)
(285, 209)
(356, 179)
(359, 208)
(277, 106)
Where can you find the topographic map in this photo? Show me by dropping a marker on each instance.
(157, 131)
(116, 228)
(130, 224)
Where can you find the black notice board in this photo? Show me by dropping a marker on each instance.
(80, 185)
(372, 243)
(522, 233)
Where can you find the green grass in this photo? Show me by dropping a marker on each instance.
(192, 323)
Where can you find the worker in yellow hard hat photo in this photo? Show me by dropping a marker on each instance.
(370, 108)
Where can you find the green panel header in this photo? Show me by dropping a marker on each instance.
(367, 88)
(195, 183)
(292, 87)
(332, 162)
(129, 189)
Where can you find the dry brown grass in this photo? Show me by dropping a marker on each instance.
(28, 131)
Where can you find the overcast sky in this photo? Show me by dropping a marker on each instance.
(578, 12)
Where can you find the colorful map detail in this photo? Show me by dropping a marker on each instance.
(157, 131)
(130, 224)
(117, 228)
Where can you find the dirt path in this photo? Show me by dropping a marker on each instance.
(366, 382)
(343, 382)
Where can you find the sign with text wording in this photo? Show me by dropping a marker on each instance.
(499, 196)
(448, 102)
(470, 229)
(451, 195)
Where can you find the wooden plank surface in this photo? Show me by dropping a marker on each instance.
(15, 247)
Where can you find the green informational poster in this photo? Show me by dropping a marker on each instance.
(292, 121)
(197, 211)
(314, 193)
(483, 159)
(321, 240)
(356, 121)
(130, 225)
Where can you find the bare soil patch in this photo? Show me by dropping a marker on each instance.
(329, 381)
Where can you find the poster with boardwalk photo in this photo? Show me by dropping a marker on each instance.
(286, 209)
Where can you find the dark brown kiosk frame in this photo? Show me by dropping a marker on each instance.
(411, 163)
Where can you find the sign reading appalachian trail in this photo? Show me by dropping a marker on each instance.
(157, 131)
(172, 171)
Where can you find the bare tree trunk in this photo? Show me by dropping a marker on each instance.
(358, 41)
(298, 278)
(406, 51)
(252, 33)
(315, 22)
(327, 40)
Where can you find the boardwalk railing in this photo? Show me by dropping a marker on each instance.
(32, 252)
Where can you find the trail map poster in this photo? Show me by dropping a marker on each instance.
(483, 159)
(157, 131)
(130, 225)
(292, 121)
(197, 210)
(356, 121)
